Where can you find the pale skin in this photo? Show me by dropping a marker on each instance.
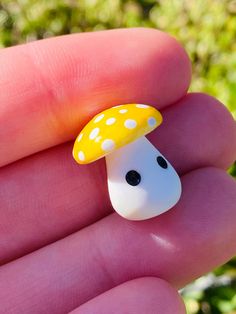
(84, 257)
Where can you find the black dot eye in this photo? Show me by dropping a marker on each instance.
(133, 177)
(162, 162)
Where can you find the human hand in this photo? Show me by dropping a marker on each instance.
(60, 212)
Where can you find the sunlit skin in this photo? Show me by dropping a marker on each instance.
(84, 257)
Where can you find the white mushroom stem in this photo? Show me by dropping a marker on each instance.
(158, 190)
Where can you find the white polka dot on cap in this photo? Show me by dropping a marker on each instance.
(80, 137)
(108, 145)
(81, 155)
(142, 106)
(130, 124)
(99, 118)
(94, 133)
(110, 121)
(152, 121)
(123, 110)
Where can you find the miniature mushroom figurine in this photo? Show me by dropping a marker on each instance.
(142, 184)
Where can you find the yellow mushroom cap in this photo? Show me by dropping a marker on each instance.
(114, 128)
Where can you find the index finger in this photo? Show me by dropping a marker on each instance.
(50, 88)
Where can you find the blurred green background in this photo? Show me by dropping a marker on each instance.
(207, 29)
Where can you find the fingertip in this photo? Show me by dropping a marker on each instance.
(221, 122)
(168, 66)
(198, 131)
(69, 79)
(143, 295)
